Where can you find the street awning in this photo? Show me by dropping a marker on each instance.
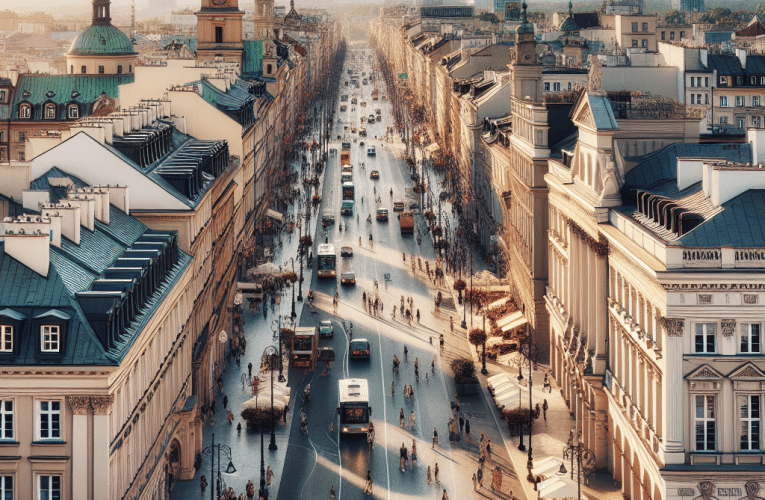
(557, 487)
(498, 303)
(504, 320)
(546, 467)
(515, 324)
(274, 214)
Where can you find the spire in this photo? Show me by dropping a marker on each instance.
(101, 14)
(525, 18)
(570, 9)
(292, 4)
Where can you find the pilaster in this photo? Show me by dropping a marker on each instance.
(80, 406)
(673, 382)
(101, 406)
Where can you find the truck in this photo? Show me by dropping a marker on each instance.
(375, 95)
(345, 153)
(406, 221)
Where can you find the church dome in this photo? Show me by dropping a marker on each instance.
(569, 25)
(101, 40)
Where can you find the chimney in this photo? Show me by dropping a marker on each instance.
(119, 197)
(28, 241)
(87, 208)
(31, 199)
(95, 132)
(13, 74)
(70, 219)
(165, 107)
(101, 194)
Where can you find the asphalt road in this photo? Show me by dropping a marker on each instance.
(321, 459)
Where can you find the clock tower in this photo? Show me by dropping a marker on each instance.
(219, 31)
(526, 71)
(263, 20)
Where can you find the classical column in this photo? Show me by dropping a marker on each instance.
(674, 328)
(80, 406)
(101, 406)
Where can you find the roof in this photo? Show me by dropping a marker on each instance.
(447, 11)
(656, 168)
(755, 65)
(753, 29)
(237, 102)
(64, 89)
(725, 64)
(586, 19)
(252, 63)
(740, 223)
(101, 40)
(569, 24)
(189, 41)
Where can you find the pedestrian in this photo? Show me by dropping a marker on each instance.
(381, 307)
(418, 315)
(462, 423)
(249, 369)
(411, 392)
(417, 373)
(435, 438)
(250, 489)
(230, 417)
(368, 487)
(457, 401)
(303, 421)
(496, 482)
(401, 417)
(433, 365)
(332, 492)
(479, 476)
(429, 476)
(269, 475)
(435, 474)
(467, 430)
(371, 437)
(225, 401)
(488, 450)
(393, 389)
(416, 363)
(475, 481)
(544, 409)
(451, 323)
(203, 483)
(441, 341)
(404, 455)
(414, 453)
(412, 419)
(444, 496)
(220, 384)
(239, 428)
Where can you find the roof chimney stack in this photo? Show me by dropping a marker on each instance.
(27, 239)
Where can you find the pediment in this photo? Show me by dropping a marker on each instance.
(583, 115)
(704, 372)
(747, 371)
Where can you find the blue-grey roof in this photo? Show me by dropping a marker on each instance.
(660, 166)
(725, 64)
(755, 65)
(237, 102)
(602, 112)
(741, 223)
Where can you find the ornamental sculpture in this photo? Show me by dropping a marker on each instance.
(596, 75)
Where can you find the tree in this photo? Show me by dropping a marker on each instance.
(674, 17)
(477, 337)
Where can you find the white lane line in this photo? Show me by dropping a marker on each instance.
(385, 410)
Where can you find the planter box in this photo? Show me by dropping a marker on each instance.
(467, 389)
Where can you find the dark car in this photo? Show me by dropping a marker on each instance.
(326, 330)
(348, 278)
(374, 174)
(346, 251)
(359, 349)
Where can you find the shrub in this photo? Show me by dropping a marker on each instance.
(464, 371)
(477, 336)
(437, 231)
(459, 285)
(290, 276)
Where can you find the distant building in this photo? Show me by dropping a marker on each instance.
(624, 7)
(688, 5)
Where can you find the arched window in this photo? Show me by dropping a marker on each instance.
(25, 111)
(50, 111)
(73, 111)
(268, 69)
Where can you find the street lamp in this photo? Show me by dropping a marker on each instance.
(484, 371)
(585, 463)
(263, 491)
(270, 354)
(209, 451)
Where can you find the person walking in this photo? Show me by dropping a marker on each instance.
(230, 417)
(435, 438)
(332, 493)
(429, 476)
(496, 481)
(435, 474)
(462, 423)
(441, 341)
(393, 389)
(371, 437)
(269, 475)
(303, 421)
(451, 323)
(488, 450)
(414, 453)
(249, 370)
(401, 417)
(433, 365)
(475, 482)
(203, 483)
(412, 419)
(547, 386)
(545, 406)
(404, 453)
(467, 430)
(479, 477)
(368, 487)
(250, 490)
(444, 496)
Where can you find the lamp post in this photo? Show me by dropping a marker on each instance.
(484, 371)
(263, 491)
(209, 451)
(300, 251)
(293, 313)
(270, 354)
(585, 462)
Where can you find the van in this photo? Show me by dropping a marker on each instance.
(382, 214)
(346, 208)
(346, 177)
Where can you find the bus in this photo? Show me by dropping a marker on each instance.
(305, 347)
(348, 190)
(327, 260)
(354, 407)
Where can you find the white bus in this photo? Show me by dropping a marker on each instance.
(327, 261)
(354, 407)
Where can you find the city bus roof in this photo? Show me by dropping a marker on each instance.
(326, 249)
(347, 184)
(354, 390)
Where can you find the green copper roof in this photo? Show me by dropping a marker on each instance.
(253, 57)
(102, 40)
(569, 24)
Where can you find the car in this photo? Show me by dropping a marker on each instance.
(348, 278)
(359, 349)
(382, 214)
(398, 206)
(414, 205)
(326, 354)
(354, 101)
(346, 251)
(328, 218)
(371, 151)
(374, 174)
(354, 130)
(343, 108)
(371, 119)
(361, 144)
(363, 104)
(326, 330)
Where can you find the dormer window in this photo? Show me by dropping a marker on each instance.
(3, 95)
(6, 338)
(72, 111)
(50, 111)
(50, 338)
(723, 81)
(25, 111)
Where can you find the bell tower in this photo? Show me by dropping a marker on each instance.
(526, 71)
(219, 31)
(263, 20)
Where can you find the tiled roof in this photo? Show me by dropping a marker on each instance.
(101, 40)
(660, 166)
(754, 28)
(755, 65)
(725, 64)
(586, 19)
(64, 89)
(252, 63)
(602, 113)
(741, 223)
(235, 102)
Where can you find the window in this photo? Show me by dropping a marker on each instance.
(6, 487)
(705, 423)
(755, 100)
(22, 136)
(739, 100)
(723, 81)
(83, 69)
(644, 43)
(706, 98)
(698, 99)
(25, 111)
(756, 124)
(705, 338)
(723, 101)
(556, 86)
(750, 332)
(219, 34)
(706, 81)
(3, 95)
(634, 27)
(739, 80)
(50, 111)
(671, 35)
(682, 35)
(73, 111)
(645, 26)
(634, 43)
(130, 68)
(547, 86)
(6, 338)
(693, 81)
(741, 123)
(100, 70)
(569, 85)
(2, 135)
(723, 120)
(268, 69)
(6, 421)
(50, 420)
(49, 338)
(71, 69)
(749, 413)
(663, 35)
(21, 156)
(49, 487)
(693, 98)
(753, 80)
